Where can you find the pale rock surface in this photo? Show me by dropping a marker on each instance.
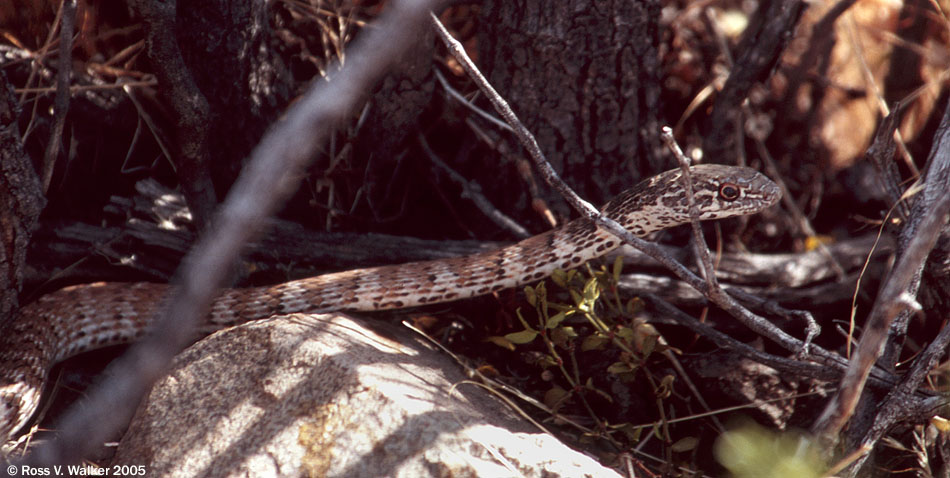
(330, 396)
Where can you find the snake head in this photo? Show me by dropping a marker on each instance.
(719, 191)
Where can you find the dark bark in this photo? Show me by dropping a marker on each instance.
(584, 80)
(189, 106)
(392, 117)
(229, 47)
(222, 81)
(21, 201)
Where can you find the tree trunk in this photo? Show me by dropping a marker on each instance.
(583, 76)
(21, 201)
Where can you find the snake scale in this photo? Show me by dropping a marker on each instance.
(85, 317)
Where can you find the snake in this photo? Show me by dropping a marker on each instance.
(85, 317)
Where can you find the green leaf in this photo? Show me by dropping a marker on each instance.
(645, 338)
(625, 333)
(633, 433)
(635, 306)
(568, 331)
(594, 342)
(555, 397)
(521, 319)
(648, 344)
(543, 298)
(542, 291)
(530, 296)
(752, 451)
(560, 338)
(547, 361)
(618, 268)
(559, 278)
(575, 297)
(555, 320)
(523, 337)
(685, 444)
(620, 367)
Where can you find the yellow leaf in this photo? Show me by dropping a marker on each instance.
(941, 424)
(812, 242)
(591, 290)
(501, 342)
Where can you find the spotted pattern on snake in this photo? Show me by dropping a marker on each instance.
(90, 316)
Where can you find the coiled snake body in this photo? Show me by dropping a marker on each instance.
(89, 316)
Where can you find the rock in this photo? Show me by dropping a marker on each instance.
(328, 395)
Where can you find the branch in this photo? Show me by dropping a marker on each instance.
(61, 102)
(898, 294)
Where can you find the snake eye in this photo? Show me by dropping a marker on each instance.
(729, 192)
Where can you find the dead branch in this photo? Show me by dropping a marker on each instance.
(898, 294)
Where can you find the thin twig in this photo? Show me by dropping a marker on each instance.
(699, 241)
(473, 191)
(783, 364)
(468, 104)
(524, 136)
(61, 102)
(81, 88)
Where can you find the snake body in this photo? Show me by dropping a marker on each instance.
(85, 317)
